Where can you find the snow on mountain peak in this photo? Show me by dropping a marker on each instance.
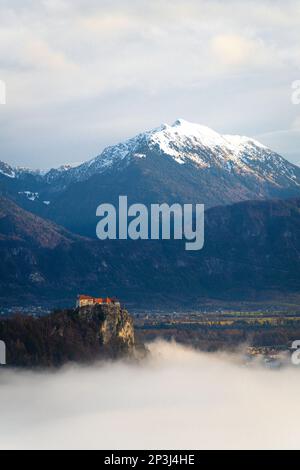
(239, 141)
(189, 129)
(69, 166)
(184, 142)
(183, 139)
(183, 130)
(7, 170)
(189, 142)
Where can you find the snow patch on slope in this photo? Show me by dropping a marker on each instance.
(29, 195)
(9, 175)
(239, 142)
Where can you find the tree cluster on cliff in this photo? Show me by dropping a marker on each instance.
(67, 336)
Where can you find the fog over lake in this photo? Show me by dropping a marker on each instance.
(178, 398)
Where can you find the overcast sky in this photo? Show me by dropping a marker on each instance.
(83, 74)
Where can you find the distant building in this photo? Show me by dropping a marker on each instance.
(83, 300)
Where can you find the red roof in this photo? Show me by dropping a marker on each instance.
(96, 300)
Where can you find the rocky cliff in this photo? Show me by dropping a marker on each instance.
(115, 329)
(80, 335)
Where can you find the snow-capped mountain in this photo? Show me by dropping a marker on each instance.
(56, 174)
(193, 144)
(7, 170)
(182, 163)
(17, 172)
(185, 143)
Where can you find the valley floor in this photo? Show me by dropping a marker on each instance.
(260, 332)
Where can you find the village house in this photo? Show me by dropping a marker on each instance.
(84, 300)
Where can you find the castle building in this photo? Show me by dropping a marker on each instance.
(84, 300)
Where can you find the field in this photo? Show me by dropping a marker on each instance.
(222, 331)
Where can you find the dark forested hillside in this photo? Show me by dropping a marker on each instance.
(80, 335)
(251, 250)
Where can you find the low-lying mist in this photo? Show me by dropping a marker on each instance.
(178, 398)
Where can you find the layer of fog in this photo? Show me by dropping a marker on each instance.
(178, 398)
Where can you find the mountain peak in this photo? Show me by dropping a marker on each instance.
(189, 127)
(183, 162)
(188, 143)
(185, 129)
(185, 143)
(206, 136)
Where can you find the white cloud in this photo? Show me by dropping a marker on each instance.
(235, 50)
(177, 399)
(58, 57)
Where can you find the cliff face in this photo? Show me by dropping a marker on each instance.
(81, 335)
(115, 325)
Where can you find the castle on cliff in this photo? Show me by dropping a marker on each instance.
(84, 300)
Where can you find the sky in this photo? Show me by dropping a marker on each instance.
(177, 398)
(84, 74)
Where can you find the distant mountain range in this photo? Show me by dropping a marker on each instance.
(252, 252)
(181, 163)
(48, 222)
